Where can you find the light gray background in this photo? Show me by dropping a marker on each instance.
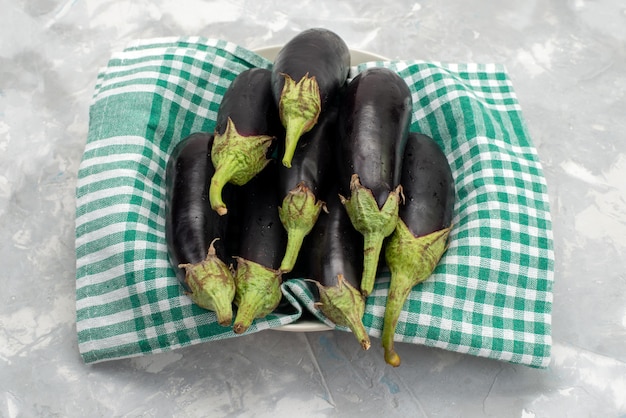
(567, 61)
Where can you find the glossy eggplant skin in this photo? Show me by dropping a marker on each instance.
(317, 52)
(190, 224)
(307, 76)
(424, 223)
(428, 186)
(334, 261)
(249, 103)
(246, 130)
(300, 185)
(312, 159)
(262, 239)
(334, 247)
(374, 123)
(262, 242)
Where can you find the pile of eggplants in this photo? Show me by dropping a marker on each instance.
(308, 174)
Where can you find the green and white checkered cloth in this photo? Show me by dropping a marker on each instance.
(490, 296)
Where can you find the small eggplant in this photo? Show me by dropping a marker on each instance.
(246, 127)
(373, 123)
(334, 254)
(302, 184)
(194, 233)
(307, 74)
(262, 244)
(420, 239)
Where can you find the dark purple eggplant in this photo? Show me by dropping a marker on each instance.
(262, 244)
(246, 127)
(420, 239)
(194, 233)
(300, 186)
(373, 123)
(307, 74)
(334, 261)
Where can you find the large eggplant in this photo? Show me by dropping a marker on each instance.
(334, 255)
(262, 242)
(373, 123)
(300, 186)
(246, 127)
(307, 74)
(195, 234)
(420, 239)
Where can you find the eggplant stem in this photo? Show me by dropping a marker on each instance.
(298, 214)
(411, 260)
(295, 128)
(218, 181)
(257, 293)
(299, 107)
(399, 288)
(237, 159)
(295, 237)
(373, 222)
(344, 305)
(373, 244)
(212, 285)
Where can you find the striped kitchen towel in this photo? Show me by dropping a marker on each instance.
(490, 296)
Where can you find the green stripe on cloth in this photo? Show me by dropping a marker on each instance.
(490, 296)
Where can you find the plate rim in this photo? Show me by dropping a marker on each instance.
(357, 56)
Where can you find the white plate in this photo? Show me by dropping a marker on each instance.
(356, 57)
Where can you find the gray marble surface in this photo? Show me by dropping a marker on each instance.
(567, 60)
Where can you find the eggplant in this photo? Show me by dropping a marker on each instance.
(262, 242)
(302, 184)
(373, 123)
(420, 238)
(334, 255)
(194, 233)
(307, 75)
(246, 128)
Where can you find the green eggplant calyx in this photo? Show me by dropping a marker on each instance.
(373, 222)
(257, 293)
(299, 108)
(344, 305)
(237, 159)
(411, 260)
(212, 285)
(298, 214)
(417, 256)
